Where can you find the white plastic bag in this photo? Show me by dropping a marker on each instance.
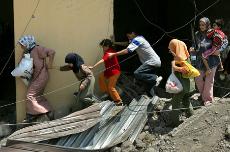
(173, 85)
(24, 69)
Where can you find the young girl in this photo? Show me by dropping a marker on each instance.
(111, 73)
(83, 74)
(219, 42)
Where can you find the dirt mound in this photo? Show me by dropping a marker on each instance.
(207, 130)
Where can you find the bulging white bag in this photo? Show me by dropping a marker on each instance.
(173, 85)
(24, 69)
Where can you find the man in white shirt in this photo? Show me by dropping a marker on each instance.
(148, 57)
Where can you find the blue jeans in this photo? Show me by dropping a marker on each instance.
(147, 73)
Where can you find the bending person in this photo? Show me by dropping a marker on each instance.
(83, 74)
(150, 60)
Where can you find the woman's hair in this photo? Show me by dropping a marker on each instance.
(219, 22)
(106, 42)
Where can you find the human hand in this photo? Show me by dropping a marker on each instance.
(180, 69)
(82, 87)
(90, 67)
(191, 49)
(110, 55)
(217, 52)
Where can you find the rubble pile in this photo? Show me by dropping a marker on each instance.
(207, 130)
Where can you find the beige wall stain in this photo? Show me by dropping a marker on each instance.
(65, 26)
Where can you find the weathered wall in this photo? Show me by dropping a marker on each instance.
(65, 26)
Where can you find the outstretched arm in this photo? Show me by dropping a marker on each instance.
(98, 63)
(65, 68)
(122, 52)
(121, 43)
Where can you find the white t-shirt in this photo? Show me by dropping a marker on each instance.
(144, 50)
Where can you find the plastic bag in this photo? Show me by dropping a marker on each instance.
(192, 72)
(24, 69)
(173, 85)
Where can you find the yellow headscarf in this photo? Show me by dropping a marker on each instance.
(179, 48)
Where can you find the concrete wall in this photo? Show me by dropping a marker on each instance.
(65, 26)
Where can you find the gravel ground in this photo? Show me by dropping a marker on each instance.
(206, 131)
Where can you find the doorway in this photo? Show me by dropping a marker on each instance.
(7, 82)
(141, 16)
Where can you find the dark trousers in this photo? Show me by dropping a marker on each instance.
(147, 74)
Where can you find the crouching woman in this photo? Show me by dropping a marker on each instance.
(84, 75)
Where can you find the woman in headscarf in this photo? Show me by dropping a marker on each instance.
(179, 51)
(37, 107)
(83, 74)
(202, 43)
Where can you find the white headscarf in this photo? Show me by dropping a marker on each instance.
(206, 21)
(28, 41)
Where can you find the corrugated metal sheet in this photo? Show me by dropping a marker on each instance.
(126, 125)
(21, 146)
(74, 123)
(115, 126)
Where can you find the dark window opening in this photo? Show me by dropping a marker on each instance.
(7, 82)
(169, 15)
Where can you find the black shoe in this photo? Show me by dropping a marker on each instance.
(149, 94)
(30, 118)
(50, 115)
